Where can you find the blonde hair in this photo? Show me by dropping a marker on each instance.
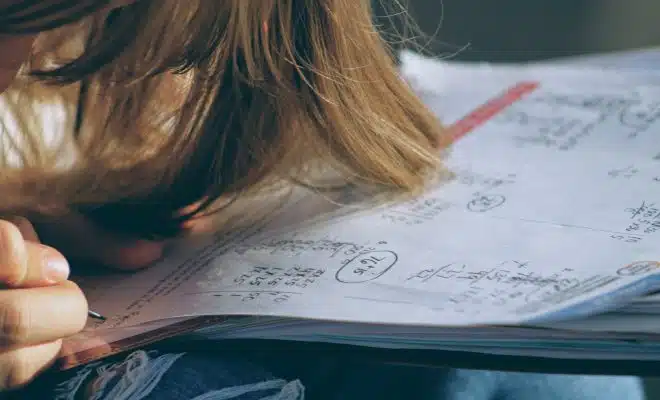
(177, 103)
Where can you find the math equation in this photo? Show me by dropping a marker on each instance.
(509, 283)
(416, 212)
(260, 276)
(644, 220)
(563, 121)
(366, 266)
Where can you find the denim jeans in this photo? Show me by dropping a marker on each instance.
(151, 375)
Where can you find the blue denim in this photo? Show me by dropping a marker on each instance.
(151, 375)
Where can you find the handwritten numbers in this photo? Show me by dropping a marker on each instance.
(645, 220)
(262, 276)
(276, 297)
(625, 173)
(415, 212)
(366, 267)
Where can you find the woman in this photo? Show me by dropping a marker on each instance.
(164, 107)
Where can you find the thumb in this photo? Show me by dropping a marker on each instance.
(28, 264)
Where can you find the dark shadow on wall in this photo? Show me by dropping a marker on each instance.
(519, 30)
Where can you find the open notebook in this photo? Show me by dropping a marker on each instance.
(544, 242)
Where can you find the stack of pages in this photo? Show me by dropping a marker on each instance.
(545, 242)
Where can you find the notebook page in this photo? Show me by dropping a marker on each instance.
(554, 213)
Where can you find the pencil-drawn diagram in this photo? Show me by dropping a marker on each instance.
(485, 202)
(639, 117)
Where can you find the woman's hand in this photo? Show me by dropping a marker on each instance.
(38, 305)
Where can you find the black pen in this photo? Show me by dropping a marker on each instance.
(95, 315)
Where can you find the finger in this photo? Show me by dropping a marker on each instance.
(45, 266)
(20, 366)
(25, 227)
(13, 254)
(37, 315)
(28, 264)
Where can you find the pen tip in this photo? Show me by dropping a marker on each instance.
(95, 315)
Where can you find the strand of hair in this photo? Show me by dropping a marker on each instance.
(31, 23)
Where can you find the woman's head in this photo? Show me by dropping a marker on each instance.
(181, 102)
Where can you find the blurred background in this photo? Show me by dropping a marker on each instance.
(521, 30)
(527, 30)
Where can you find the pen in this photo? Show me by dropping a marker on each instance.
(95, 315)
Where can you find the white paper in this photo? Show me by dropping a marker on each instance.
(554, 214)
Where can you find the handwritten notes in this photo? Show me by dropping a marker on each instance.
(644, 221)
(562, 120)
(553, 209)
(366, 266)
(415, 212)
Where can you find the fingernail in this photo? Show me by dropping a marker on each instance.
(56, 268)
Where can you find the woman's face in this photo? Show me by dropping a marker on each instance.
(15, 49)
